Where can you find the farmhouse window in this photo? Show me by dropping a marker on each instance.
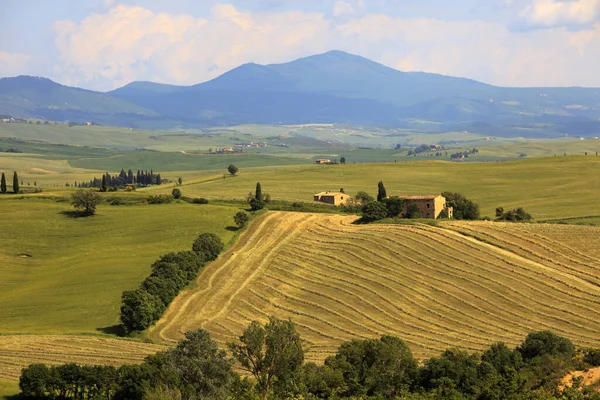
(428, 205)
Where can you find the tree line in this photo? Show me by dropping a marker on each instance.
(15, 186)
(171, 273)
(108, 181)
(272, 356)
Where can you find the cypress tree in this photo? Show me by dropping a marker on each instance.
(381, 193)
(258, 195)
(15, 183)
(3, 184)
(104, 184)
(138, 178)
(130, 176)
(158, 179)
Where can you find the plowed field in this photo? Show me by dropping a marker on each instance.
(459, 284)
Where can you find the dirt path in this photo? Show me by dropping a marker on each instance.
(247, 260)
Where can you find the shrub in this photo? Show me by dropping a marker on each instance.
(463, 207)
(176, 193)
(412, 211)
(256, 204)
(374, 211)
(592, 357)
(363, 197)
(241, 219)
(543, 343)
(515, 215)
(160, 199)
(394, 206)
(208, 246)
(87, 200)
(200, 200)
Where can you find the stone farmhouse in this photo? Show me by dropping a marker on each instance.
(429, 206)
(333, 198)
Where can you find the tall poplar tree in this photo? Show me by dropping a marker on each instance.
(381, 193)
(3, 183)
(15, 183)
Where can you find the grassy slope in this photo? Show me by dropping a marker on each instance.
(8, 389)
(79, 267)
(432, 286)
(548, 188)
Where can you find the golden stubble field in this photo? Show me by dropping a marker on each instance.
(465, 284)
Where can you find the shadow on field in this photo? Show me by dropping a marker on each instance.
(74, 214)
(113, 330)
(14, 397)
(233, 228)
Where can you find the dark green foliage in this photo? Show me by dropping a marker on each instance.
(160, 199)
(374, 211)
(592, 357)
(538, 344)
(139, 309)
(454, 366)
(274, 356)
(15, 183)
(256, 204)
(378, 367)
(87, 200)
(363, 197)
(187, 261)
(381, 192)
(394, 206)
(200, 200)
(208, 246)
(515, 215)
(3, 183)
(342, 160)
(241, 219)
(232, 169)
(176, 193)
(412, 211)
(258, 193)
(463, 207)
(104, 187)
(36, 381)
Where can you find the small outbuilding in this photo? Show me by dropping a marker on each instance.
(333, 198)
(323, 161)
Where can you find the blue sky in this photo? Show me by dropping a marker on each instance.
(104, 44)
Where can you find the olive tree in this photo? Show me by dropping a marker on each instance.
(87, 200)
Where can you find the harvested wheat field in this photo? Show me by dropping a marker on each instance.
(435, 287)
(19, 351)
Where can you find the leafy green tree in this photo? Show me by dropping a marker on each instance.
(382, 367)
(463, 207)
(274, 356)
(3, 183)
(363, 197)
(374, 211)
(205, 371)
(381, 192)
(241, 219)
(35, 381)
(139, 310)
(543, 343)
(87, 200)
(453, 366)
(15, 183)
(412, 211)
(208, 246)
(187, 261)
(394, 206)
(232, 169)
(176, 193)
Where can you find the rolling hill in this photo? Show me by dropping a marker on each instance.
(335, 87)
(435, 287)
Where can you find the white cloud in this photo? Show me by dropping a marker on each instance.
(561, 13)
(126, 43)
(14, 63)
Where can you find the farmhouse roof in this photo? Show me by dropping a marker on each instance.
(328, 193)
(428, 197)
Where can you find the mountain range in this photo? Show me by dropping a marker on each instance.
(335, 87)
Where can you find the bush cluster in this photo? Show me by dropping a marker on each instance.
(160, 199)
(171, 273)
(273, 358)
(518, 214)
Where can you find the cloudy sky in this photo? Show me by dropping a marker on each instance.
(104, 44)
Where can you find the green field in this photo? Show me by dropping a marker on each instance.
(65, 275)
(548, 188)
(8, 389)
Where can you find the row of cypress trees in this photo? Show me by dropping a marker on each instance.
(15, 186)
